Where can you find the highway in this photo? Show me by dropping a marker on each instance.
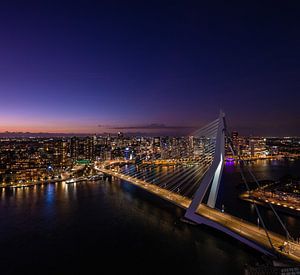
(251, 232)
(234, 224)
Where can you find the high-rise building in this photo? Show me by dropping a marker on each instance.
(74, 148)
(235, 141)
(89, 148)
(257, 147)
(156, 148)
(120, 135)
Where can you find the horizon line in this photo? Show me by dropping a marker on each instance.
(131, 133)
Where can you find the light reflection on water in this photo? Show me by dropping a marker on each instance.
(60, 225)
(263, 170)
(229, 193)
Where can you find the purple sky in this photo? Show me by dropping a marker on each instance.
(70, 66)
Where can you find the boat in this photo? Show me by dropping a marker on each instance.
(96, 177)
(70, 181)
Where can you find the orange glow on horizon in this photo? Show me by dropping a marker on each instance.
(34, 126)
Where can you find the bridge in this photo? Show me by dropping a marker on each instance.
(193, 186)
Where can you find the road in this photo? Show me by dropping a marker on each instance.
(234, 224)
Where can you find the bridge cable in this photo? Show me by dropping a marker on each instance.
(271, 206)
(248, 189)
(268, 203)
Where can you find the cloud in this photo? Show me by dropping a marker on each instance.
(152, 126)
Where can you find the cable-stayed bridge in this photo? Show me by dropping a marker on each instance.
(194, 184)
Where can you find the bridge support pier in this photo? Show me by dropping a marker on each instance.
(107, 177)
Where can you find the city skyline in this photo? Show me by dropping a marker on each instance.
(70, 68)
(149, 136)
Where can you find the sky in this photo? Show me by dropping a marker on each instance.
(96, 66)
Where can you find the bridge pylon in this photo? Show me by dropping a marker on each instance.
(212, 178)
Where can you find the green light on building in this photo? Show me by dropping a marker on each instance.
(83, 161)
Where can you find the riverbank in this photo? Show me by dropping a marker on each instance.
(66, 180)
(283, 207)
(290, 157)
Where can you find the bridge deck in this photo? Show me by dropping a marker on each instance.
(238, 226)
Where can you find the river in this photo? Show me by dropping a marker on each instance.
(86, 227)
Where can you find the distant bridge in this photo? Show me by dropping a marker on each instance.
(203, 180)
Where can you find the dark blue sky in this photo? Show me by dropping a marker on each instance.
(69, 66)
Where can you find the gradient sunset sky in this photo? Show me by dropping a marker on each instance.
(70, 66)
